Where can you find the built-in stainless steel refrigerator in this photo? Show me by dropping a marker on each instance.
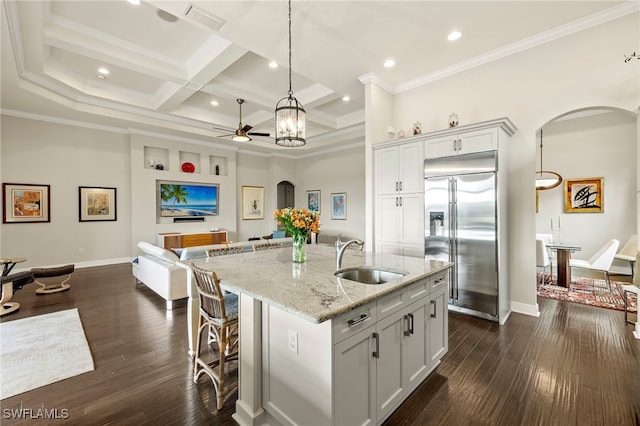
(461, 227)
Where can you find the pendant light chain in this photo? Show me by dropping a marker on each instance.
(541, 152)
(290, 90)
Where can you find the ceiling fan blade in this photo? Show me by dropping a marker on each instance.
(246, 128)
(259, 134)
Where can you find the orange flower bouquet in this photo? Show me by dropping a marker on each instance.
(298, 223)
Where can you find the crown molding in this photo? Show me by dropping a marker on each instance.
(615, 12)
(63, 121)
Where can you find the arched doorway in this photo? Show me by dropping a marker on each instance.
(590, 143)
(286, 195)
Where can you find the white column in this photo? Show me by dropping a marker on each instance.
(249, 411)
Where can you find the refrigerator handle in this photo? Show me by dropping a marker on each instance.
(452, 257)
(455, 231)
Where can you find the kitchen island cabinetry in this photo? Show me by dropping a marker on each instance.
(319, 349)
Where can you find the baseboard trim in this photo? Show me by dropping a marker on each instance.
(523, 308)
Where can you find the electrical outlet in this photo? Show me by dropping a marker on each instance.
(293, 341)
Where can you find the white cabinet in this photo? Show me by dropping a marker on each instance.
(462, 142)
(388, 354)
(399, 169)
(355, 379)
(437, 320)
(398, 220)
(399, 174)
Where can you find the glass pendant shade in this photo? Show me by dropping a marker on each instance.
(546, 179)
(290, 123)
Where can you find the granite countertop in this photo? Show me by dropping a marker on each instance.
(310, 290)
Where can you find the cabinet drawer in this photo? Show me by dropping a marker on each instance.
(351, 322)
(438, 281)
(417, 291)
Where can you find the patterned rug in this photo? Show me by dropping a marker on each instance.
(587, 291)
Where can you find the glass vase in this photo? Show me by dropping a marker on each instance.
(299, 248)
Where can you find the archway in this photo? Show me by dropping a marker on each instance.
(595, 142)
(286, 195)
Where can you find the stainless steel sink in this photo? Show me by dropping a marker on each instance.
(369, 275)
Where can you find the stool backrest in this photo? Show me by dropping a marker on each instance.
(210, 293)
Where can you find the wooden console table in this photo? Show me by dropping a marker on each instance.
(170, 240)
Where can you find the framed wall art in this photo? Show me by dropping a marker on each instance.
(313, 200)
(252, 202)
(25, 203)
(584, 195)
(97, 204)
(339, 205)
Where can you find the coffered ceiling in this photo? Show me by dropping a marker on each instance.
(168, 60)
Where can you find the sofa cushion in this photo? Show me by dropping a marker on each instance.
(158, 252)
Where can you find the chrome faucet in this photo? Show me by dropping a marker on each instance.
(341, 250)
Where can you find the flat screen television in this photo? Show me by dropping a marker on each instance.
(186, 199)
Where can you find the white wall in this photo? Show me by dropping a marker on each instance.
(66, 157)
(581, 70)
(596, 146)
(341, 171)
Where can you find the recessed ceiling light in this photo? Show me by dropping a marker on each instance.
(101, 77)
(346, 98)
(214, 103)
(103, 71)
(389, 63)
(454, 35)
(273, 64)
(134, 2)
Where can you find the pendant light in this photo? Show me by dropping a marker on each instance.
(546, 179)
(290, 114)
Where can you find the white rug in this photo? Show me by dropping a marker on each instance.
(41, 350)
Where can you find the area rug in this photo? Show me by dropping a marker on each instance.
(587, 291)
(40, 350)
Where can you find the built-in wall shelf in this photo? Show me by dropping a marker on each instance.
(218, 165)
(156, 158)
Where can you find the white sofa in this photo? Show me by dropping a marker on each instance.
(157, 267)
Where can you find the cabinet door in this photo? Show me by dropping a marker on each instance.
(443, 146)
(478, 141)
(354, 377)
(412, 221)
(387, 181)
(415, 351)
(411, 168)
(438, 326)
(390, 389)
(389, 218)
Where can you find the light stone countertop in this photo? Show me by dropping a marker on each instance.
(310, 290)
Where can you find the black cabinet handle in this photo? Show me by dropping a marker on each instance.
(376, 353)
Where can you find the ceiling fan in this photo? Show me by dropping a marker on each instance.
(242, 133)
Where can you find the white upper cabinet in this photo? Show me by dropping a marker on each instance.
(399, 169)
(462, 143)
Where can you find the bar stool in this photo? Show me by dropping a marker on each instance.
(218, 315)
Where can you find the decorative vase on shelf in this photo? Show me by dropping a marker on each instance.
(453, 120)
(299, 254)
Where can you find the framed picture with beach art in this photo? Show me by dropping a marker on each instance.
(339, 205)
(25, 203)
(313, 200)
(584, 195)
(97, 204)
(252, 202)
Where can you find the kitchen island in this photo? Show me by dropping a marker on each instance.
(322, 350)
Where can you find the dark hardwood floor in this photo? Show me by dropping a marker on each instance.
(574, 365)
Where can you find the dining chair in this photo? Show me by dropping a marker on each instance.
(600, 261)
(218, 314)
(628, 252)
(542, 257)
